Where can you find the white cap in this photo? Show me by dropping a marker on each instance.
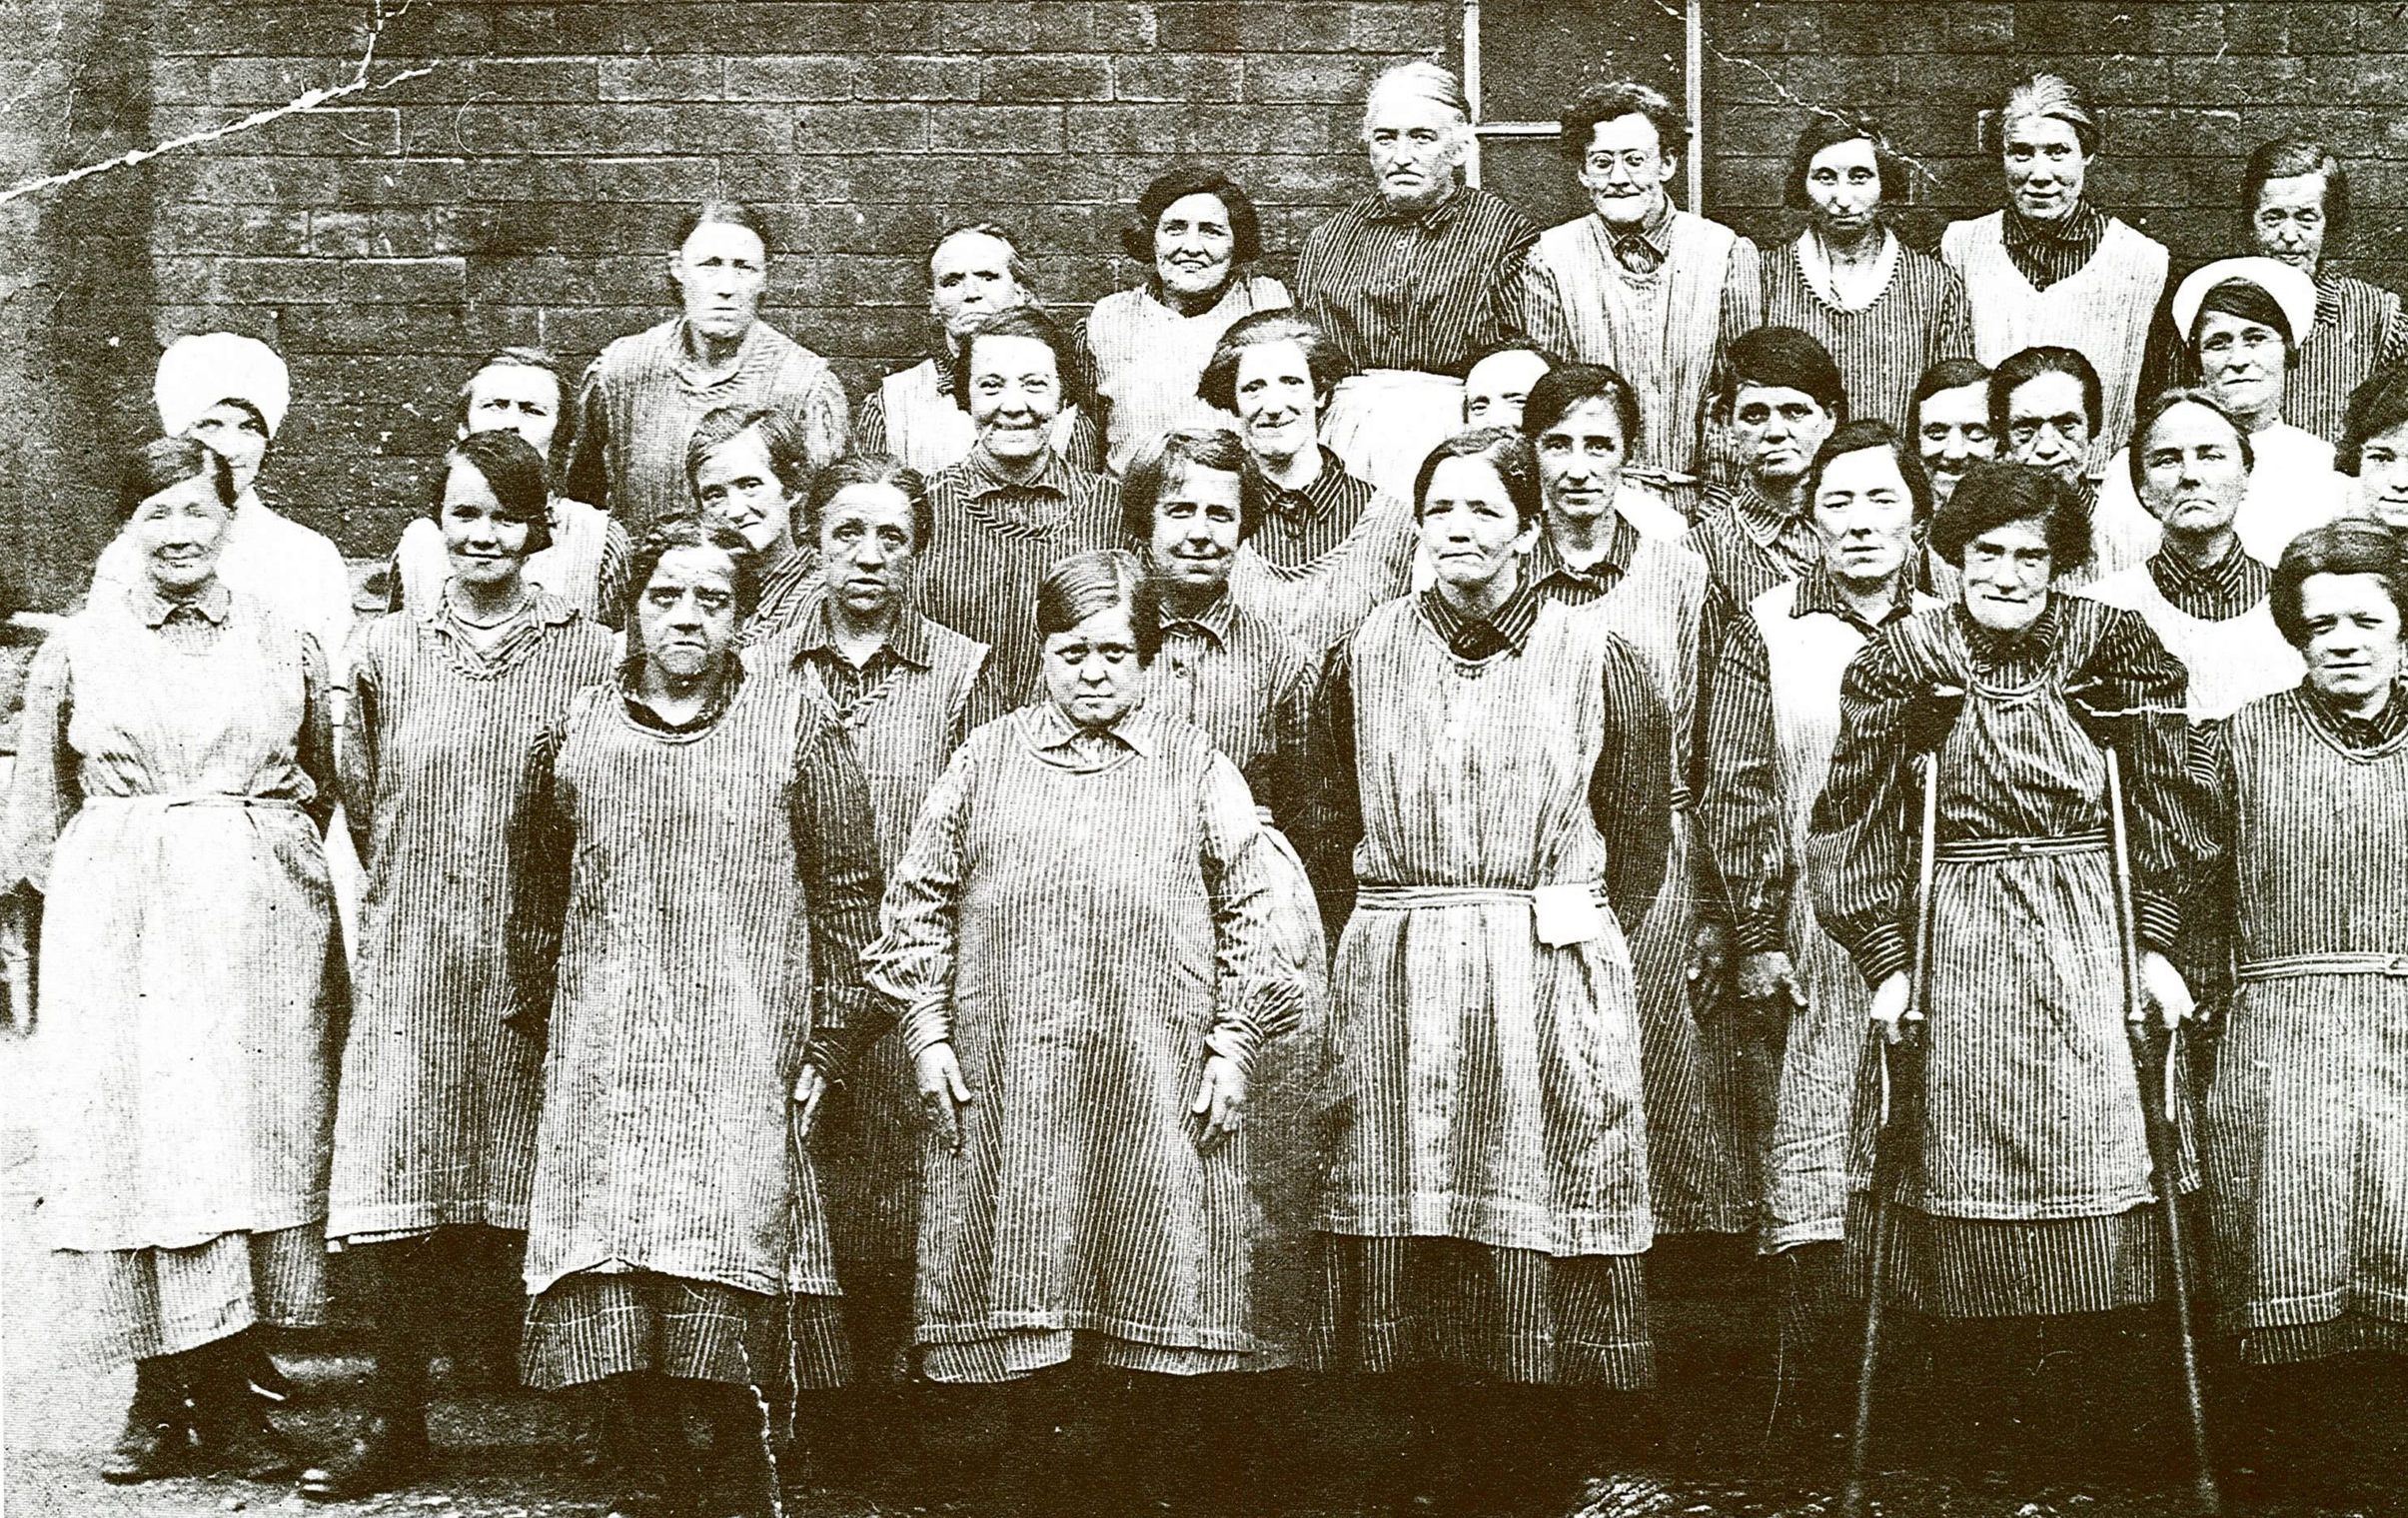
(197, 372)
(2293, 291)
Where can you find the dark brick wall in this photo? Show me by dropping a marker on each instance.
(525, 189)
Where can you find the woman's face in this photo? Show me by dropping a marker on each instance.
(2288, 222)
(1865, 515)
(1092, 672)
(1470, 526)
(2046, 166)
(235, 434)
(2353, 632)
(685, 618)
(1196, 520)
(868, 547)
(1776, 430)
(177, 532)
(1952, 434)
(1581, 459)
(736, 484)
(969, 280)
(2242, 362)
(720, 274)
(1015, 393)
(1844, 189)
(2383, 478)
(2192, 479)
(515, 397)
(1278, 411)
(1625, 168)
(1194, 247)
(2006, 575)
(2048, 425)
(1415, 143)
(486, 549)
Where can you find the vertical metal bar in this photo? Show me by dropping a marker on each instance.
(1471, 86)
(1693, 39)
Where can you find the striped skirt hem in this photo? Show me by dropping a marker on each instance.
(2296, 1343)
(597, 1325)
(1017, 1353)
(1954, 1268)
(116, 1305)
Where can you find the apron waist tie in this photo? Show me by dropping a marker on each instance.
(1406, 898)
(165, 799)
(1989, 850)
(2293, 966)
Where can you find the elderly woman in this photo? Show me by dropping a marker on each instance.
(1496, 765)
(750, 470)
(2240, 317)
(2045, 409)
(2305, 1123)
(1078, 935)
(1884, 310)
(1640, 285)
(1197, 235)
(694, 1001)
(642, 395)
(2202, 592)
(174, 773)
(1410, 281)
(1329, 547)
(436, 1126)
(2052, 269)
(2033, 1197)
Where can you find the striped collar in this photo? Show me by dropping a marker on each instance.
(1546, 561)
(1471, 637)
(1436, 219)
(2357, 733)
(2217, 592)
(1212, 623)
(1819, 591)
(984, 480)
(1047, 730)
(156, 611)
(907, 640)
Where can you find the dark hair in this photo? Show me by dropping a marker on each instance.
(1990, 495)
(563, 431)
(2044, 94)
(1023, 322)
(2248, 299)
(1495, 346)
(731, 212)
(870, 469)
(1082, 585)
(670, 534)
(515, 472)
(2289, 158)
(165, 461)
(2343, 546)
(2025, 365)
(1012, 251)
(1577, 124)
(1863, 435)
(1217, 386)
(1787, 358)
(1559, 391)
(2379, 403)
(780, 435)
(1161, 461)
(1506, 452)
(1947, 374)
(1828, 132)
(1175, 185)
(2156, 407)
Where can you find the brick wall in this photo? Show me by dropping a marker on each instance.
(525, 189)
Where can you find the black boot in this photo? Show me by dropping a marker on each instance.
(230, 1422)
(645, 1448)
(389, 1447)
(741, 1478)
(157, 1435)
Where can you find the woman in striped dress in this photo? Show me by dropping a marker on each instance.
(2374, 448)
(435, 1129)
(1950, 420)
(750, 469)
(2308, 1118)
(1887, 312)
(2031, 1198)
(175, 775)
(1078, 936)
(696, 874)
(1497, 763)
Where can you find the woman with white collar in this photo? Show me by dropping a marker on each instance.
(2241, 318)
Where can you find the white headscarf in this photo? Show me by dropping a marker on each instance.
(197, 372)
(2292, 290)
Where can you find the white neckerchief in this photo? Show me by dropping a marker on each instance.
(1816, 266)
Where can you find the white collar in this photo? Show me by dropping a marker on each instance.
(1815, 265)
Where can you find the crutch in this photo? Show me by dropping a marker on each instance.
(2156, 1099)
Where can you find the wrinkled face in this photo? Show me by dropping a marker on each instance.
(2288, 221)
(177, 532)
(2046, 166)
(2006, 575)
(1498, 386)
(1194, 247)
(2353, 632)
(1624, 169)
(1415, 143)
(1015, 393)
(1776, 429)
(969, 280)
(1865, 515)
(2192, 479)
(1843, 187)
(720, 272)
(2242, 362)
(2383, 476)
(736, 485)
(1278, 411)
(685, 618)
(1092, 672)
(1581, 459)
(485, 547)
(2048, 426)
(1196, 520)
(1953, 434)
(515, 397)
(868, 551)
(1468, 524)
(234, 435)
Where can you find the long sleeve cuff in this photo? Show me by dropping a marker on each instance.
(2157, 920)
(1882, 952)
(1758, 932)
(925, 1026)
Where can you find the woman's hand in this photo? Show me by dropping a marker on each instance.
(942, 1091)
(1709, 955)
(1220, 1100)
(2163, 991)
(809, 1086)
(1769, 983)
(1888, 1012)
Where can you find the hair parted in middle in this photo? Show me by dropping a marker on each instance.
(1023, 322)
(672, 533)
(1161, 465)
(1085, 584)
(2137, 456)
(1831, 130)
(1865, 435)
(1217, 386)
(1507, 453)
(870, 469)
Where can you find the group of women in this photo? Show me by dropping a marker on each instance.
(1170, 856)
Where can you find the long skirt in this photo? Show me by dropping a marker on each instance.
(1385, 422)
(1397, 1304)
(595, 1324)
(115, 1305)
